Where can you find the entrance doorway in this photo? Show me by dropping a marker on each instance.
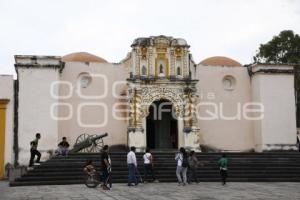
(162, 126)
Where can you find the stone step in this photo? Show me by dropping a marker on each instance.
(162, 171)
(68, 182)
(275, 166)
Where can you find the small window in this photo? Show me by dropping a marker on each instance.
(229, 82)
(85, 80)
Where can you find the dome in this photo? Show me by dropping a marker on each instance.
(82, 57)
(220, 61)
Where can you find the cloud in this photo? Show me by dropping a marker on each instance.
(231, 28)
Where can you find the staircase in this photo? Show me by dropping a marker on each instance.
(243, 167)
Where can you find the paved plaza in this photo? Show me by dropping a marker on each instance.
(155, 191)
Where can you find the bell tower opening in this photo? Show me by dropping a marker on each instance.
(162, 126)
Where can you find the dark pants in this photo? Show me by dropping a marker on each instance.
(223, 174)
(33, 153)
(148, 170)
(192, 175)
(106, 177)
(131, 174)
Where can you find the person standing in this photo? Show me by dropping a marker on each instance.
(106, 168)
(132, 166)
(148, 165)
(223, 162)
(182, 166)
(193, 164)
(63, 147)
(33, 150)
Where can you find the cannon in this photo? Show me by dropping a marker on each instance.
(89, 143)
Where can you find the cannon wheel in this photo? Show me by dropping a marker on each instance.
(97, 145)
(82, 138)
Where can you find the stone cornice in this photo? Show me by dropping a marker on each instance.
(271, 69)
(32, 61)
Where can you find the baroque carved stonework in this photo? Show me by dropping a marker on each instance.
(151, 94)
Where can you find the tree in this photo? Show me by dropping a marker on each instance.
(283, 49)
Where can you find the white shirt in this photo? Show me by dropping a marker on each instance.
(131, 158)
(147, 158)
(179, 158)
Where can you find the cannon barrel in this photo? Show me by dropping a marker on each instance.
(88, 142)
(99, 137)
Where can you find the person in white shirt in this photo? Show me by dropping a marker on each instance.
(132, 165)
(182, 165)
(148, 165)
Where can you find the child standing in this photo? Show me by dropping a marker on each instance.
(223, 162)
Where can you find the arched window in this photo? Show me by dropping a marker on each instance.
(144, 70)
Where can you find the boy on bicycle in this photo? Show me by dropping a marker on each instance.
(89, 168)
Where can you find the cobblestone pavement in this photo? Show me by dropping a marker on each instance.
(156, 191)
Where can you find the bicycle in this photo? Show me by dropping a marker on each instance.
(92, 180)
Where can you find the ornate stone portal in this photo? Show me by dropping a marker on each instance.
(160, 70)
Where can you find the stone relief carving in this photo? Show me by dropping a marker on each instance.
(149, 95)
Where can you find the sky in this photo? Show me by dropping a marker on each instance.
(106, 28)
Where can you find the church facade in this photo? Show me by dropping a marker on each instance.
(156, 97)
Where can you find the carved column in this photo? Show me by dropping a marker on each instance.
(190, 120)
(172, 63)
(185, 61)
(150, 62)
(137, 63)
(136, 136)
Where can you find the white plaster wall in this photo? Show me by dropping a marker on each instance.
(231, 135)
(278, 127)
(115, 74)
(257, 125)
(35, 102)
(7, 92)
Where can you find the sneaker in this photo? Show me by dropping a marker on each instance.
(37, 164)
